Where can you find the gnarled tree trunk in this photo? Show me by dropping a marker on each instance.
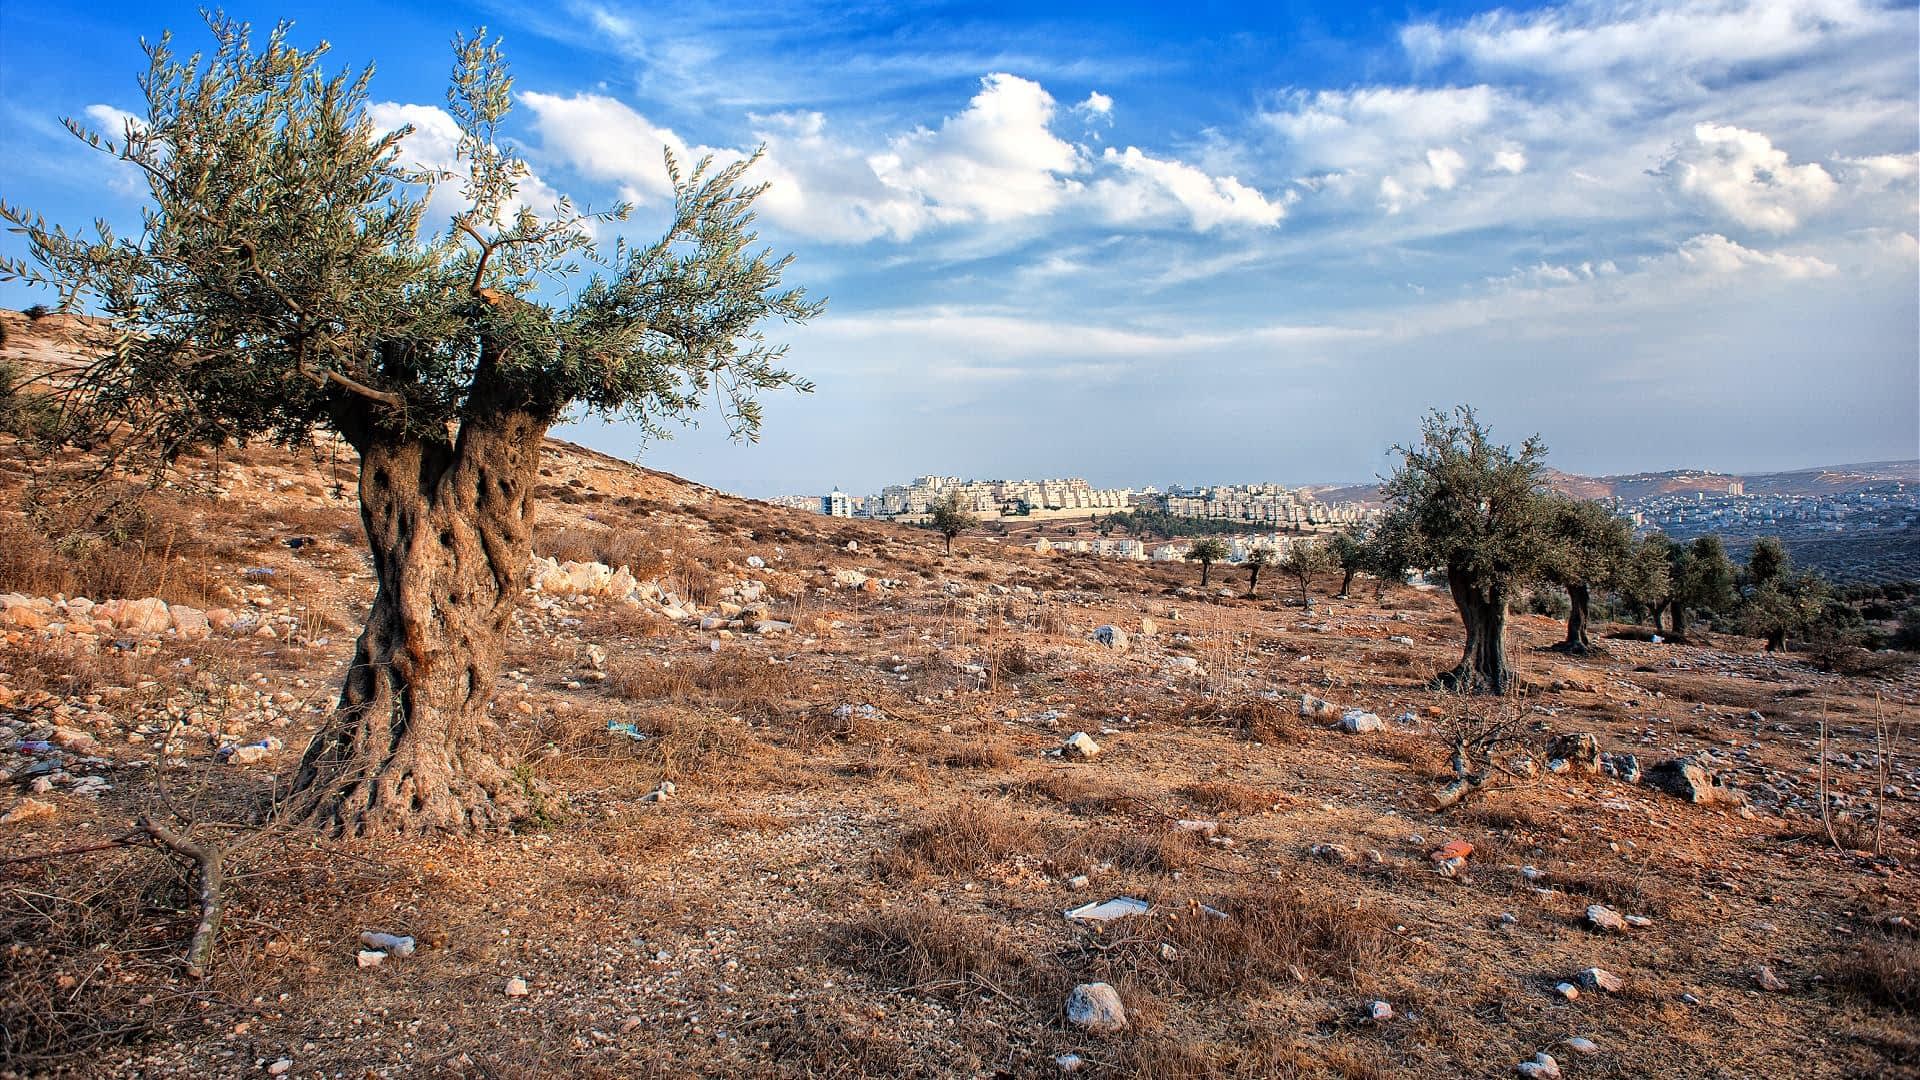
(1253, 579)
(1204, 568)
(1346, 583)
(1483, 662)
(1679, 623)
(1579, 598)
(409, 748)
(1776, 640)
(1657, 609)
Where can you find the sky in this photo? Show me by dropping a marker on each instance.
(1201, 242)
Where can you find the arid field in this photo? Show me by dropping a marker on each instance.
(835, 832)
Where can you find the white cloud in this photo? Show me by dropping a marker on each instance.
(606, 140)
(996, 161)
(1706, 37)
(1714, 254)
(113, 123)
(1155, 188)
(1509, 159)
(827, 189)
(1743, 176)
(1878, 172)
(1098, 106)
(1373, 128)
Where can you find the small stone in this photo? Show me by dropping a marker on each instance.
(1639, 921)
(1314, 708)
(516, 987)
(1379, 1012)
(1765, 979)
(1080, 745)
(1333, 853)
(1078, 882)
(1568, 990)
(1358, 721)
(1096, 1007)
(281, 1067)
(1169, 953)
(369, 958)
(1070, 1063)
(1595, 978)
(1112, 637)
(1578, 1045)
(1204, 828)
(1602, 917)
(1542, 1067)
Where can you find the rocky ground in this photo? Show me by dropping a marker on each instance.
(819, 797)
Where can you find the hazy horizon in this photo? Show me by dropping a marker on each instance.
(1147, 245)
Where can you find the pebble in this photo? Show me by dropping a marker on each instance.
(1602, 917)
(1765, 979)
(1581, 1046)
(281, 1067)
(1379, 1012)
(1595, 978)
(1568, 990)
(1096, 1007)
(516, 987)
(1542, 1067)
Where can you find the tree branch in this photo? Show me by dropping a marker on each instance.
(207, 863)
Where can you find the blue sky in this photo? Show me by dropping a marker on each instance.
(1203, 242)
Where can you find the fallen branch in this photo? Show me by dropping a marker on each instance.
(208, 871)
(105, 845)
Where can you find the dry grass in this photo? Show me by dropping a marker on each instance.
(923, 948)
(1271, 937)
(1884, 972)
(969, 837)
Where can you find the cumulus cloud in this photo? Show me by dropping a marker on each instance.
(1879, 172)
(1373, 128)
(995, 161)
(1741, 175)
(1509, 159)
(606, 140)
(1152, 188)
(1714, 254)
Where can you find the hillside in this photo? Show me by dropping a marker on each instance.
(872, 832)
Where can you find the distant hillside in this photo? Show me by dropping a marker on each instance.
(1819, 480)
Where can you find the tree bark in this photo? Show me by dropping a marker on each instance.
(1776, 640)
(1657, 609)
(1483, 662)
(1204, 567)
(1253, 580)
(1679, 623)
(408, 747)
(1346, 583)
(1579, 598)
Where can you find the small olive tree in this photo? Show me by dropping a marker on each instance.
(1207, 551)
(951, 517)
(285, 282)
(1259, 557)
(1477, 511)
(1589, 548)
(1305, 559)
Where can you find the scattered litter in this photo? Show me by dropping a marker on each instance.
(627, 728)
(1120, 907)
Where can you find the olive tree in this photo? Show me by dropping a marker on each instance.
(1779, 601)
(1305, 559)
(1701, 579)
(1644, 582)
(1206, 552)
(1259, 557)
(951, 517)
(1475, 510)
(1349, 547)
(286, 283)
(1589, 548)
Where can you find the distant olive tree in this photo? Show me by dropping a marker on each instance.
(1305, 559)
(1258, 559)
(1476, 510)
(1589, 547)
(1349, 547)
(1700, 578)
(1779, 602)
(1206, 552)
(951, 517)
(1645, 580)
(286, 282)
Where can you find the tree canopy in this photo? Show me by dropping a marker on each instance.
(287, 279)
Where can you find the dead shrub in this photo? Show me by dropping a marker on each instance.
(968, 837)
(1259, 720)
(981, 755)
(1077, 793)
(734, 682)
(1885, 972)
(1270, 937)
(1632, 894)
(924, 948)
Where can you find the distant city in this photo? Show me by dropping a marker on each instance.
(1879, 505)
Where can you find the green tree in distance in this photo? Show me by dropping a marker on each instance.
(286, 283)
(951, 517)
(1206, 552)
